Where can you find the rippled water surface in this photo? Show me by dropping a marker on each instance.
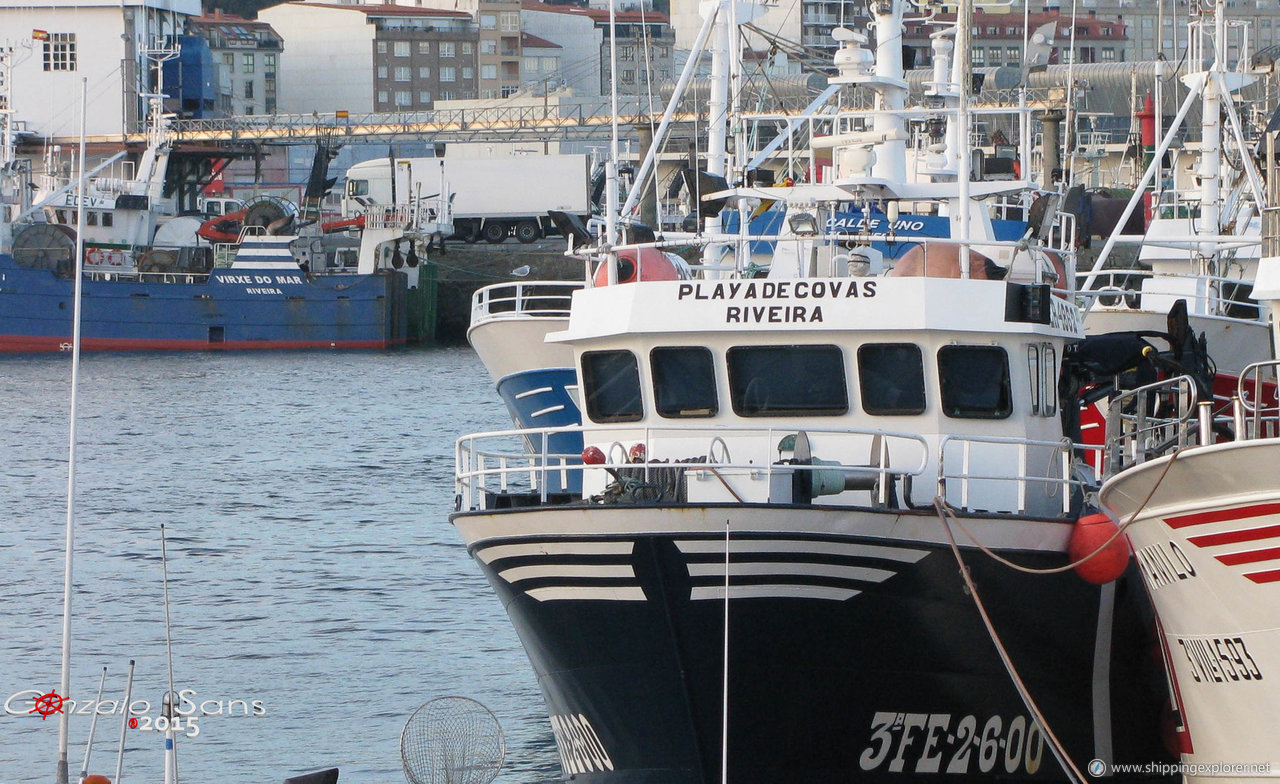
(311, 563)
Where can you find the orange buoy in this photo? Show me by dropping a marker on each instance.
(1091, 532)
(652, 264)
(592, 455)
(96, 779)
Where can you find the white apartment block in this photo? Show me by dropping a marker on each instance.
(61, 44)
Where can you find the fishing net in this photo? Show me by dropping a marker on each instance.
(452, 740)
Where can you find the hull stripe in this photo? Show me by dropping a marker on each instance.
(1235, 537)
(499, 551)
(904, 554)
(588, 593)
(1264, 577)
(782, 570)
(1222, 515)
(774, 592)
(517, 573)
(1250, 556)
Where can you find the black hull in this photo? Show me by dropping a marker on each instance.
(866, 662)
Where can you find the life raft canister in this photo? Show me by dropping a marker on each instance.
(653, 265)
(1090, 532)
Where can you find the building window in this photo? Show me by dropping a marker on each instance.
(446, 95)
(382, 96)
(269, 62)
(404, 99)
(424, 96)
(979, 56)
(467, 48)
(424, 47)
(229, 62)
(246, 63)
(1108, 53)
(468, 73)
(1012, 55)
(402, 49)
(489, 71)
(382, 72)
(60, 52)
(424, 72)
(531, 65)
(404, 73)
(248, 90)
(510, 21)
(550, 64)
(382, 47)
(629, 75)
(488, 22)
(448, 74)
(488, 46)
(446, 49)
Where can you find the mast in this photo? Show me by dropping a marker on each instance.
(722, 36)
(891, 95)
(69, 554)
(961, 71)
(1210, 168)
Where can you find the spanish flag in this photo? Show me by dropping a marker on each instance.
(40, 35)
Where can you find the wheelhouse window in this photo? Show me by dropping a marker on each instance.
(975, 382)
(611, 386)
(684, 382)
(891, 378)
(787, 380)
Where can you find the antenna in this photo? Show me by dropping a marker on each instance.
(170, 749)
(93, 725)
(124, 723)
(65, 681)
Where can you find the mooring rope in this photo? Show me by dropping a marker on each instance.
(1055, 745)
(945, 509)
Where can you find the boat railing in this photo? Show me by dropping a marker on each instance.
(1206, 295)
(705, 464)
(1152, 420)
(523, 299)
(1013, 475)
(1256, 406)
(379, 216)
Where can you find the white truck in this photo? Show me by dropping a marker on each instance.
(492, 198)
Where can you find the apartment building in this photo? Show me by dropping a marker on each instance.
(997, 38)
(1160, 26)
(374, 58)
(646, 43)
(247, 54)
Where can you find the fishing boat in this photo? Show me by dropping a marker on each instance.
(152, 279)
(1197, 494)
(1201, 243)
(763, 564)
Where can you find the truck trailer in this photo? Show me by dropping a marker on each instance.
(492, 198)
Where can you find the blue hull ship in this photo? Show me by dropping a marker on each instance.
(240, 307)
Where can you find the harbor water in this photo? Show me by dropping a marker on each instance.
(317, 592)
